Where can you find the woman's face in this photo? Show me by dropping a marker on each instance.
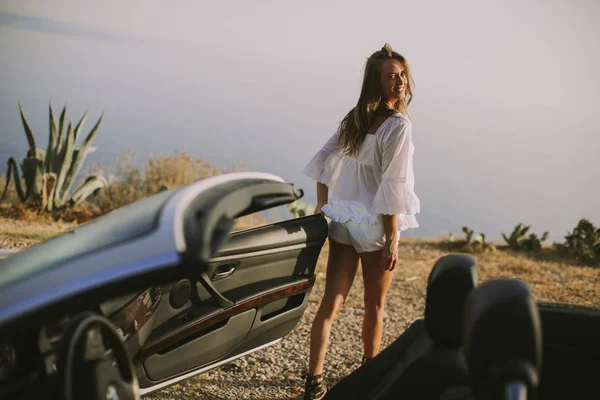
(393, 81)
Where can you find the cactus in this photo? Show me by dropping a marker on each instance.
(469, 232)
(49, 175)
(477, 243)
(487, 246)
(517, 236)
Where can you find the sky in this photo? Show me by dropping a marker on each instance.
(505, 101)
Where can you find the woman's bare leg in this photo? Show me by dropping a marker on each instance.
(377, 282)
(342, 265)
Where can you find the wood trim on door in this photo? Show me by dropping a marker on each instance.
(212, 319)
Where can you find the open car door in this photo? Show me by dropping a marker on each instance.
(185, 293)
(250, 288)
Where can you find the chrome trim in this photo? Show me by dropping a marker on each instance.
(223, 274)
(162, 385)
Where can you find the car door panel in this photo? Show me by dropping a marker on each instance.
(200, 317)
(272, 276)
(272, 326)
(197, 352)
(252, 267)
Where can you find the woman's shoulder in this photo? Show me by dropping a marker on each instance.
(401, 119)
(398, 125)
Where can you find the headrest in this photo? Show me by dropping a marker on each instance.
(450, 282)
(502, 336)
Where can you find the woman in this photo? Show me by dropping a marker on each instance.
(365, 185)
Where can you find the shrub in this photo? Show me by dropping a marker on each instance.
(301, 209)
(583, 243)
(128, 181)
(533, 242)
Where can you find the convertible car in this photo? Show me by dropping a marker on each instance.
(164, 289)
(155, 292)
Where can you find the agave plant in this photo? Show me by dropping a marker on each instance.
(517, 236)
(49, 175)
(518, 239)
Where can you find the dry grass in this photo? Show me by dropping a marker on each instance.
(22, 234)
(551, 277)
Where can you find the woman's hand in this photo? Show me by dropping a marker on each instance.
(318, 208)
(389, 255)
(322, 196)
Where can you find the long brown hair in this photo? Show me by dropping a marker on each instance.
(355, 125)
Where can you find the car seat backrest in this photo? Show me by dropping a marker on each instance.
(427, 358)
(503, 338)
(431, 365)
(451, 280)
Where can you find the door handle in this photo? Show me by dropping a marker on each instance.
(223, 301)
(223, 271)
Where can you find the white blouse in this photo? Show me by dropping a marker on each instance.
(378, 180)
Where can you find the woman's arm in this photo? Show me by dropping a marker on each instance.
(389, 200)
(389, 255)
(322, 196)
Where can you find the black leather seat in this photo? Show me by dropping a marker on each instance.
(503, 340)
(427, 358)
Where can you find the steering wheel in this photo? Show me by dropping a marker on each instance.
(94, 363)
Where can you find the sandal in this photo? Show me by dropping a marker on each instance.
(365, 360)
(315, 387)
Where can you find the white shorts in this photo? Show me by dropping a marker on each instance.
(363, 237)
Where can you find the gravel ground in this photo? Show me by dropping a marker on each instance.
(274, 372)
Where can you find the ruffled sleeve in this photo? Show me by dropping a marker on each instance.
(394, 195)
(324, 166)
